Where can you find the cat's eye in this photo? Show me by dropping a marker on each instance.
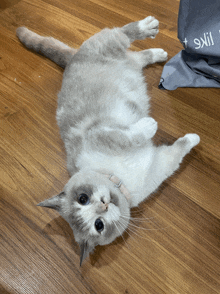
(99, 225)
(83, 199)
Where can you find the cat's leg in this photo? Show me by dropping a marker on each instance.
(139, 30)
(115, 42)
(116, 140)
(149, 56)
(146, 28)
(147, 127)
(167, 160)
(57, 51)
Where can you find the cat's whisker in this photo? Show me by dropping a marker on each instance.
(151, 229)
(138, 214)
(142, 220)
(135, 233)
(126, 229)
(138, 210)
(134, 228)
(120, 232)
(138, 219)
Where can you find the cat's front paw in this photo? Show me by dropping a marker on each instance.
(147, 126)
(149, 26)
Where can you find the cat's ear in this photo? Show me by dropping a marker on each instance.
(85, 249)
(53, 202)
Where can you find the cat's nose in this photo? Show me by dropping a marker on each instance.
(101, 207)
(104, 204)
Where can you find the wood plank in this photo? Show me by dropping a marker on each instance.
(4, 4)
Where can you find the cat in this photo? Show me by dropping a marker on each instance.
(104, 121)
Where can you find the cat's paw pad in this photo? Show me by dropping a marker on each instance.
(189, 140)
(159, 55)
(150, 26)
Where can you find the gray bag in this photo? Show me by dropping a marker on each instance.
(199, 32)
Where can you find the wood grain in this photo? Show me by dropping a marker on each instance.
(177, 249)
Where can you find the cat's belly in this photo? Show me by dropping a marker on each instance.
(124, 115)
(132, 105)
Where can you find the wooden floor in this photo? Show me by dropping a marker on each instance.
(178, 249)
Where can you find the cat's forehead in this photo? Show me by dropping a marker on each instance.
(101, 191)
(88, 189)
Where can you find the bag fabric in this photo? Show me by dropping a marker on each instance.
(198, 65)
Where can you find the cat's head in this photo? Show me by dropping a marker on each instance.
(96, 210)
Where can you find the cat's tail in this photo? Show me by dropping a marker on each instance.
(55, 50)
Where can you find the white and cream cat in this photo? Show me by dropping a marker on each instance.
(103, 116)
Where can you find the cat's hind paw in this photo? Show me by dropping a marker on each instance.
(189, 141)
(149, 26)
(159, 55)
